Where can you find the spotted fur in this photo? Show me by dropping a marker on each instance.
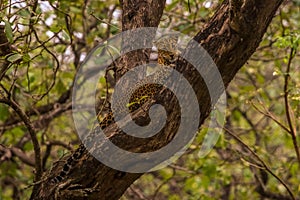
(167, 56)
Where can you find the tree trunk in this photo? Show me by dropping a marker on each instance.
(230, 37)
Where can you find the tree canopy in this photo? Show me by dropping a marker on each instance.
(256, 48)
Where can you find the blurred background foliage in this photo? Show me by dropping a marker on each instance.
(256, 155)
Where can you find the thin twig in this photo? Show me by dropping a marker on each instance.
(138, 193)
(163, 183)
(268, 114)
(287, 105)
(266, 167)
(105, 22)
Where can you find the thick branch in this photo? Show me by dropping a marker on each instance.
(137, 14)
(141, 13)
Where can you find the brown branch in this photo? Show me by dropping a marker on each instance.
(137, 14)
(288, 110)
(55, 70)
(140, 13)
(138, 193)
(180, 168)
(105, 22)
(273, 196)
(30, 128)
(23, 157)
(270, 115)
(261, 189)
(49, 145)
(45, 110)
(265, 166)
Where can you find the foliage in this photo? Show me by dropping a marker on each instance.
(49, 41)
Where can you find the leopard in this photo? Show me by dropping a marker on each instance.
(167, 56)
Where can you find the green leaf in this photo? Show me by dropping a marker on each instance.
(15, 134)
(55, 29)
(28, 146)
(3, 112)
(31, 77)
(14, 57)
(26, 58)
(172, 5)
(8, 31)
(24, 13)
(65, 35)
(75, 10)
(60, 86)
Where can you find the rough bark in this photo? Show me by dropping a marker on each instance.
(137, 14)
(230, 37)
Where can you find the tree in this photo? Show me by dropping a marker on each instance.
(231, 36)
